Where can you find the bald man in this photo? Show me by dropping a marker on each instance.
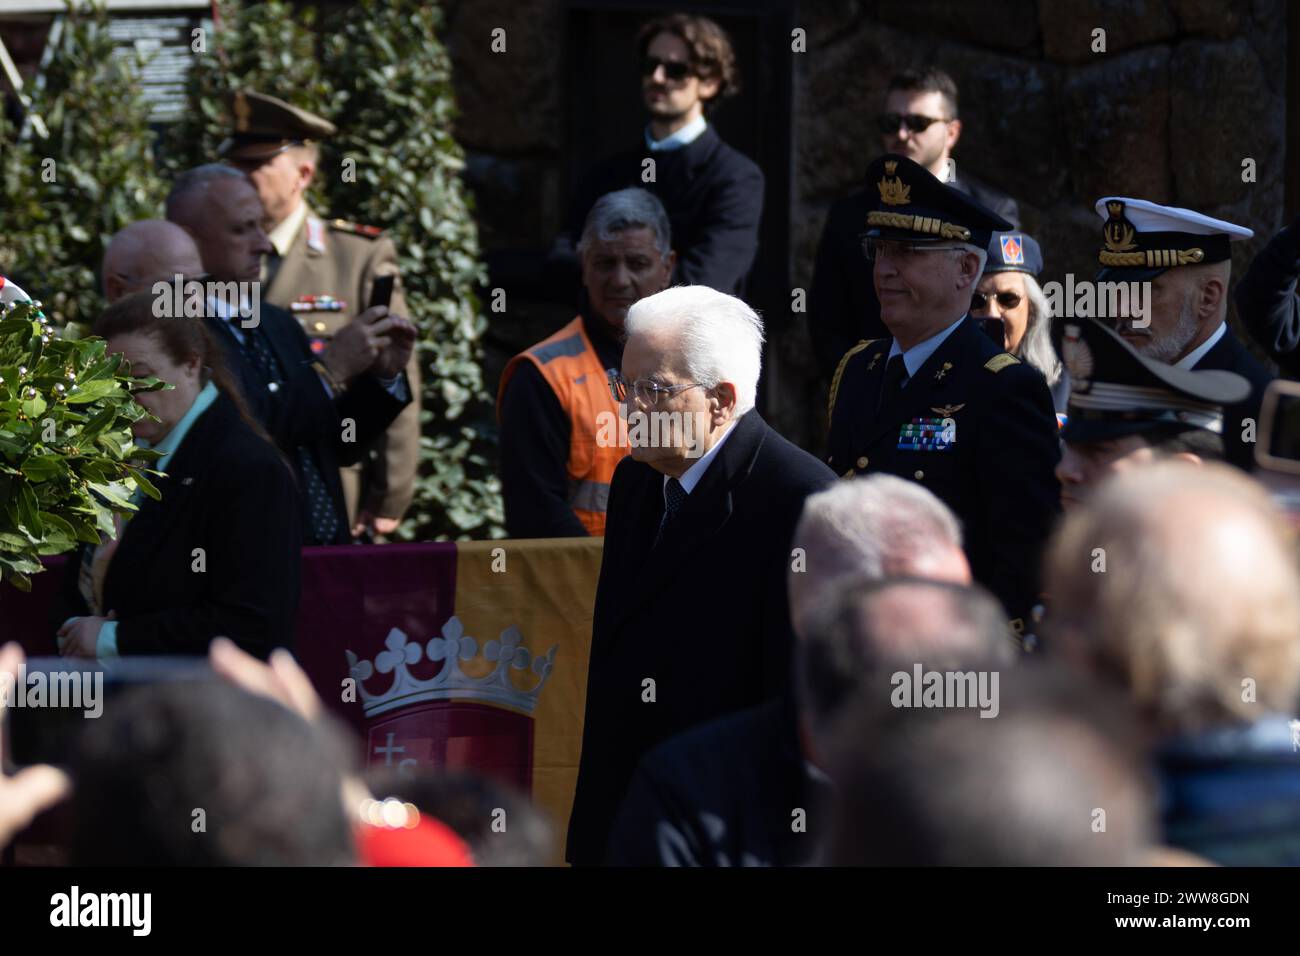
(145, 252)
(1197, 617)
(724, 794)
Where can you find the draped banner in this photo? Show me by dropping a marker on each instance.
(469, 655)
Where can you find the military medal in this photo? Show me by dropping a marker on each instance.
(927, 434)
(317, 303)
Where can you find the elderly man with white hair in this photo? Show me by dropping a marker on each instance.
(726, 793)
(691, 619)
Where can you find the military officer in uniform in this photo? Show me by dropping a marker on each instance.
(939, 402)
(1185, 257)
(322, 271)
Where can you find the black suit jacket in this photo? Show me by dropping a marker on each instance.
(1267, 301)
(842, 305)
(230, 493)
(1228, 354)
(714, 198)
(728, 793)
(998, 475)
(297, 411)
(704, 614)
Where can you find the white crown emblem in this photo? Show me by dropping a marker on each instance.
(451, 683)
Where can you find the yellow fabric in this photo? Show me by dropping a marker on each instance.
(547, 589)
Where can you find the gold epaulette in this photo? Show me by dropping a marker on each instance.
(998, 362)
(839, 372)
(356, 229)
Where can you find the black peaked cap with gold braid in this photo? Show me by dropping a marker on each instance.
(914, 206)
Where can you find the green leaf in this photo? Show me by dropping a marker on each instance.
(93, 391)
(28, 511)
(145, 484)
(44, 467)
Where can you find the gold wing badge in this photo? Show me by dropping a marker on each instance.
(892, 190)
(947, 411)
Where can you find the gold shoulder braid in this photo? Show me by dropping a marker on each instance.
(998, 362)
(839, 372)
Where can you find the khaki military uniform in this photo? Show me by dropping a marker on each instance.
(323, 274)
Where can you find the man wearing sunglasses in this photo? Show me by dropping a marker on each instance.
(920, 121)
(936, 400)
(713, 194)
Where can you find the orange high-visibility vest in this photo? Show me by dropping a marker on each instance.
(598, 433)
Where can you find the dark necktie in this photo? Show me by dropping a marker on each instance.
(322, 521)
(674, 498)
(895, 372)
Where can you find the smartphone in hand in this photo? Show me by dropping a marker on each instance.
(381, 293)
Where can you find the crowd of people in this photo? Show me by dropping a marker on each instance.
(1031, 605)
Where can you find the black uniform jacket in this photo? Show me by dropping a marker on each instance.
(997, 473)
(1228, 354)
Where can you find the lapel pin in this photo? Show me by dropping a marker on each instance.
(938, 376)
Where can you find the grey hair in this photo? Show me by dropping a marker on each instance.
(865, 528)
(1036, 345)
(192, 186)
(625, 209)
(720, 338)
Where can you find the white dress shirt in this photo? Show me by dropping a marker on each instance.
(918, 354)
(1195, 355)
(694, 473)
(684, 136)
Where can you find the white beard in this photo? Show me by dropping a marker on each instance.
(1168, 348)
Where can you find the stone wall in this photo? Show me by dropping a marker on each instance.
(1185, 91)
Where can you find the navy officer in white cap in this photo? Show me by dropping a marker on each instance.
(1186, 256)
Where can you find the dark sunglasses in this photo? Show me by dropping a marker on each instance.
(1008, 300)
(915, 122)
(675, 70)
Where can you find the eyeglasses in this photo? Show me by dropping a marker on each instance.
(875, 249)
(644, 390)
(979, 301)
(675, 70)
(915, 122)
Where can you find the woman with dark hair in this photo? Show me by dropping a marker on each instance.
(218, 555)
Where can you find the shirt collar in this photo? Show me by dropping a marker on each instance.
(1195, 355)
(918, 354)
(694, 473)
(282, 235)
(172, 440)
(684, 136)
